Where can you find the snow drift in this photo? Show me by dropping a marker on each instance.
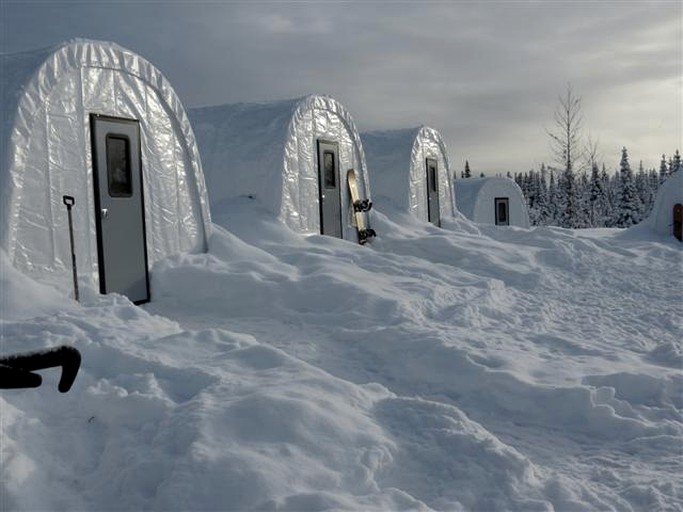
(478, 369)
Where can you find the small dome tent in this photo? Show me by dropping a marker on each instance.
(292, 156)
(670, 193)
(94, 121)
(410, 168)
(492, 201)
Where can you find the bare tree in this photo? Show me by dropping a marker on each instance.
(592, 152)
(565, 138)
(567, 149)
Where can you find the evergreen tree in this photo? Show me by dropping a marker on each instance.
(644, 191)
(542, 201)
(675, 163)
(628, 212)
(597, 198)
(468, 174)
(568, 200)
(583, 213)
(553, 201)
(663, 170)
(654, 182)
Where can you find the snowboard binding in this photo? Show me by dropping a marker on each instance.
(362, 205)
(365, 234)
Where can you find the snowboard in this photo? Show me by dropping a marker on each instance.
(678, 221)
(361, 207)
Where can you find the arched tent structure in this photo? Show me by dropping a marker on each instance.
(669, 194)
(292, 156)
(496, 201)
(95, 121)
(410, 168)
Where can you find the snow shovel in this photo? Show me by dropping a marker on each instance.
(69, 201)
(16, 371)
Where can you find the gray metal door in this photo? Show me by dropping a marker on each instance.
(329, 189)
(119, 207)
(434, 212)
(502, 211)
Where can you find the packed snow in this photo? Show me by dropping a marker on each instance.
(466, 368)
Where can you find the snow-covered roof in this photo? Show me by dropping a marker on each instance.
(396, 163)
(670, 193)
(267, 151)
(45, 153)
(475, 198)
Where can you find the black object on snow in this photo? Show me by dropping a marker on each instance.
(16, 370)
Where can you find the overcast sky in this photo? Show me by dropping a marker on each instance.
(486, 74)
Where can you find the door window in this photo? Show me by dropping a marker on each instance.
(432, 178)
(502, 204)
(119, 174)
(329, 169)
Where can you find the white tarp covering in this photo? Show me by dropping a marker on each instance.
(476, 197)
(268, 151)
(45, 153)
(396, 161)
(670, 193)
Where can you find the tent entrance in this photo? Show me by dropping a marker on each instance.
(502, 205)
(119, 207)
(329, 189)
(433, 209)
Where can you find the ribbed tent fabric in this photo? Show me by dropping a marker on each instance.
(268, 152)
(669, 194)
(396, 163)
(45, 153)
(476, 197)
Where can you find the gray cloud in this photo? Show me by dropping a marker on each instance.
(486, 74)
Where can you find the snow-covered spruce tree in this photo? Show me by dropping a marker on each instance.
(528, 184)
(554, 205)
(675, 163)
(583, 216)
(645, 192)
(542, 201)
(568, 201)
(597, 198)
(468, 173)
(663, 170)
(628, 207)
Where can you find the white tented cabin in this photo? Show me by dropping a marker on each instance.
(95, 126)
(492, 200)
(409, 168)
(291, 156)
(670, 194)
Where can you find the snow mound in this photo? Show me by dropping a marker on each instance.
(464, 368)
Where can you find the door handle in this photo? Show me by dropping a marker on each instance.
(105, 213)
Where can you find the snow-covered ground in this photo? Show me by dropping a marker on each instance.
(466, 368)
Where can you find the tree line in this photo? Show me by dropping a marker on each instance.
(577, 191)
(594, 199)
